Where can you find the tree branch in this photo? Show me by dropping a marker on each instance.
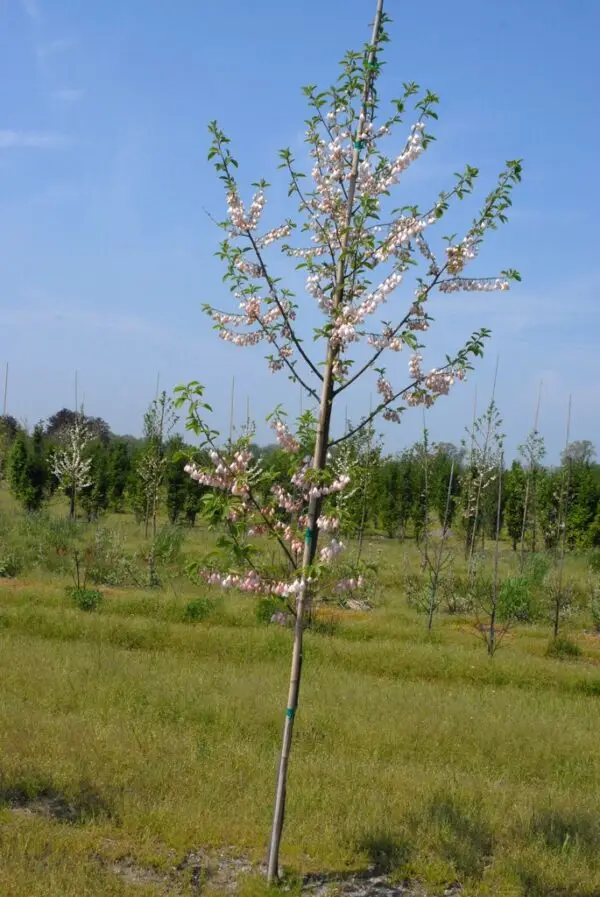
(381, 407)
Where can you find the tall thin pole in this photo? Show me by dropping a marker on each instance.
(5, 406)
(76, 394)
(157, 384)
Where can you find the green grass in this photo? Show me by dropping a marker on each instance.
(132, 738)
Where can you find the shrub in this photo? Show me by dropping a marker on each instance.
(198, 609)
(563, 649)
(85, 599)
(47, 540)
(107, 562)
(167, 545)
(594, 560)
(456, 594)
(416, 591)
(516, 600)
(535, 569)
(10, 565)
(266, 608)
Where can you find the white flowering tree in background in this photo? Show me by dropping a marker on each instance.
(70, 467)
(356, 248)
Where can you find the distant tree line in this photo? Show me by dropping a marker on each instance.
(398, 495)
(31, 465)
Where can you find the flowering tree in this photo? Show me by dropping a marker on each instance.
(71, 468)
(358, 251)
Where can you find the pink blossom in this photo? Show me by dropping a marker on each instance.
(329, 552)
(284, 437)
(277, 233)
(414, 366)
(482, 285)
(240, 221)
(328, 524)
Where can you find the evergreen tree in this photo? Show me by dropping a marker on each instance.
(582, 504)
(119, 469)
(176, 479)
(28, 472)
(17, 464)
(516, 484)
(95, 498)
(9, 428)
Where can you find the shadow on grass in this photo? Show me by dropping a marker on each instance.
(82, 804)
(448, 827)
(463, 834)
(566, 830)
(535, 885)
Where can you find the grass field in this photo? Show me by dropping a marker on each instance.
(138, 750)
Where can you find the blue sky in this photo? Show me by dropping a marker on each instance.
(106, 251)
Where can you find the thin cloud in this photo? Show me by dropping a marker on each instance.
(69, 94)
(32, 140)
(129, 325)
(51, 48)
(32, 10)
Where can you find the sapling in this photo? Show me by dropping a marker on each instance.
(485, 448)
(159, 420)
(488, 591)
(533, 451)
(561, 590)
(437, 556)
(360, 250)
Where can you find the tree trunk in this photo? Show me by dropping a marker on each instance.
(310, 547)
(492, 632)
(319, 463)
(72, 503)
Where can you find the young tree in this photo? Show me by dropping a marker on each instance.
(560, 590)
(435, 555)
(27, 467)
(95, 499)
(582, 451)
(9, 428)
(70, 466)
(159, 420)
(533, 452)
(484, 452)
(354, 236)
(487, 592)
(445, 475)
(549, 505)
(390, 497)
(119, 470)
(515, 509)
(176, 480)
